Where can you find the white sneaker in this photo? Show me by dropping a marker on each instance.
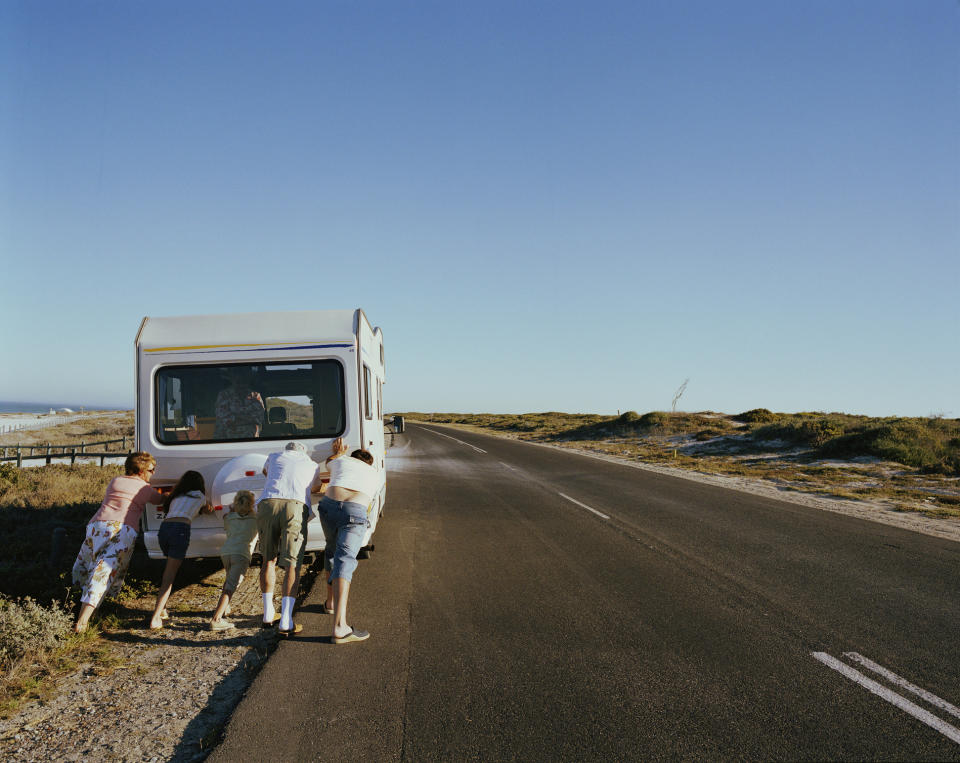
(221, 625)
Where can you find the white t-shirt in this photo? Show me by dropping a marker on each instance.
(186, 506)
(354, 474)
(290, 474)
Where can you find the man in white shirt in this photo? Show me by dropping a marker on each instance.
(282, 515)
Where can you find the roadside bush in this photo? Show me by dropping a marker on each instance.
(708, 434)
(653, 419)
(756, 416)
(812, 432)
(26, 626)
(907, 441)
(9, 477)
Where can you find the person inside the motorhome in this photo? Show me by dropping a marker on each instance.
(343, 514)
(239, 409)
(282, 514)
(241, 526)
(111, 534)
(184, 502)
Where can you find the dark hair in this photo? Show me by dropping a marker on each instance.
(363, 455)
(189, 482)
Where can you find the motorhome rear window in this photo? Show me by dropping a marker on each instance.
(249, 401)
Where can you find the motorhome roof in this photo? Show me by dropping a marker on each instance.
(247, 328)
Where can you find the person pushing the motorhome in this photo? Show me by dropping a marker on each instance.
(185, 501)
(282, 515)
(343, 514)
(240, 522)
(111, 534)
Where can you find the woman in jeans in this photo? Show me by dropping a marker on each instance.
(343, 514)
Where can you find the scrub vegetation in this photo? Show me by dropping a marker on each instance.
(912, 464)
(43, 515)
(91, 427)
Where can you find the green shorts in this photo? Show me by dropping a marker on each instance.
(282, 524)
(236, 566)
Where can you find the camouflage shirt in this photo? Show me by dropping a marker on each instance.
(239, 414)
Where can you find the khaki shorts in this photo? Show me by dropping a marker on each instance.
(236, 566)
(282, 525)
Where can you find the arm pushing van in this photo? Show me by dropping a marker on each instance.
(219, 393)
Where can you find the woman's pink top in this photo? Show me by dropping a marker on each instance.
(125, 501)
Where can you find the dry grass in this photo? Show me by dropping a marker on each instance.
(89, 428)
(43, 499)
(33, 676)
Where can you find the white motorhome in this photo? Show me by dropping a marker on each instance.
(219, 393)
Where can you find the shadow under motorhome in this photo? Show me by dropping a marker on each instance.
(219, 393)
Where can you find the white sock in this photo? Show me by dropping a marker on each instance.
(286, 612)
(268, 610)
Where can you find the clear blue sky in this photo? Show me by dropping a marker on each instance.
(545, 205)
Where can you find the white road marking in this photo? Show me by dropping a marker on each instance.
(508, 466)
(893, 678)
(583, 505)
(455, 440)
(893, 698)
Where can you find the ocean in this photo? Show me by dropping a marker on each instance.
(12, 406)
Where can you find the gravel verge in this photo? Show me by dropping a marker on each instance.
(160, 696)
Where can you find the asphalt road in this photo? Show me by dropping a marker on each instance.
(530, 604)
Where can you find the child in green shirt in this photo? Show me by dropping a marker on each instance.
(241, 526)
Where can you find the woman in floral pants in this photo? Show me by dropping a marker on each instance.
(111, 534)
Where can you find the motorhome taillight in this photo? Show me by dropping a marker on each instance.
(218, 508)
(250, 473)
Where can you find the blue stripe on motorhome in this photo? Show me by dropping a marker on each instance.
(254, 349)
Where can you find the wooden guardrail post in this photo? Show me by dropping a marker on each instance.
(19, 458)
(56, 545)
(73, 457)
(83, 447)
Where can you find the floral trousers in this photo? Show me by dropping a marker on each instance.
(103, 560)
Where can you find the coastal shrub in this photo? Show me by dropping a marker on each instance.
(9, 477)
(802, 431)
(756, 416)
(653, 419)
(26, 626)
(708, 434)
(927, 446)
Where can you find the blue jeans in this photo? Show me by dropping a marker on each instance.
(344, 525)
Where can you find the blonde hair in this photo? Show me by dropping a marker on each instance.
(243, 503)
(138, 463)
